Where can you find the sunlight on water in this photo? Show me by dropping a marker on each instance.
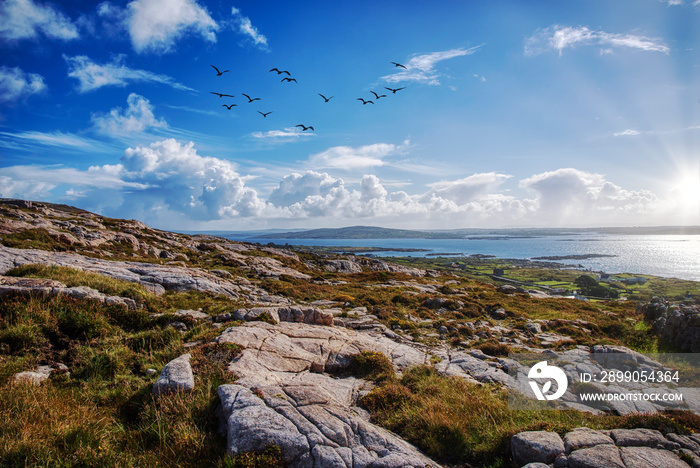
(675, 256)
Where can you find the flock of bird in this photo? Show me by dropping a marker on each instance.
(289, 79)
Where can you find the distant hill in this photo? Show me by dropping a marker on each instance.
(362, 232)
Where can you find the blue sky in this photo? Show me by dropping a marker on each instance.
(512, 114)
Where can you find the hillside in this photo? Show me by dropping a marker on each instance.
(123, 345)
(361, 232)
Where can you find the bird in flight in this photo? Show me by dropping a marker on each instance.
(305, 128)
(364, 102)
(289, 79)
(219, 73)
(378, 96)
(279, 72)
(251, 99)
(229, 106)
(394, 90)
(264, 114)
(325, 98)
(220, 94)
(399, 65)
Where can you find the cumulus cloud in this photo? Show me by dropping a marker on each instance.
(349, 158)
(569, 193)
(246, 28)
(24, 19)
(467, 189)
(171, 177)
(156, 25)
(203, 187)
(561, 37)
(137, 117)
(421, 68)
(92, 76)
(15, 84)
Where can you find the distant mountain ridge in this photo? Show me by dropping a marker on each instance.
(362, 232)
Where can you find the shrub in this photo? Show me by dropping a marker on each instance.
(372, 365)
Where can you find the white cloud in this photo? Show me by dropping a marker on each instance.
(24, 19)
(137, 117)
(467, 189)
(33, 181)
(246, 28)
(421, 68)
(92, 76)
(156, 25)
(349, 158)
(286, 134)
(562, 37)
(568, 194)
(15, 84)
(628, 132)
(32, 139)
(203, 187)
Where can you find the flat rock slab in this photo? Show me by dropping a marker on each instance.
(647, 457)
(284, 397)
(155, 277)
(176, 376)
(270, 350)
(311, 429)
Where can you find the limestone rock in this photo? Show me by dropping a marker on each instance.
(176, 376)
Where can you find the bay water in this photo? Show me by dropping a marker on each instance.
(673, 256)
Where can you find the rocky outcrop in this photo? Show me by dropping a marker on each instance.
(588, 448)
(312, 429)
(293, 313)
(675, 323)
(154, 277)
(286, 397)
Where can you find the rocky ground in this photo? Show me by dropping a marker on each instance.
(300, 319)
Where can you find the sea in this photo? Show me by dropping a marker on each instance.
(672, 256)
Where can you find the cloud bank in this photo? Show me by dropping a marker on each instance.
(171, 177)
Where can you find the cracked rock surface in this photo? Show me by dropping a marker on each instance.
(285, 398)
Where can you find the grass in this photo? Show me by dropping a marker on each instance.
(102, 413)
(463, 424)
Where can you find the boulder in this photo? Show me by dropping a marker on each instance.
(536, 446)
(583, 437)
(599, 456)
(176, 376)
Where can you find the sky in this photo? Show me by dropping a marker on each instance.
(507, 114)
